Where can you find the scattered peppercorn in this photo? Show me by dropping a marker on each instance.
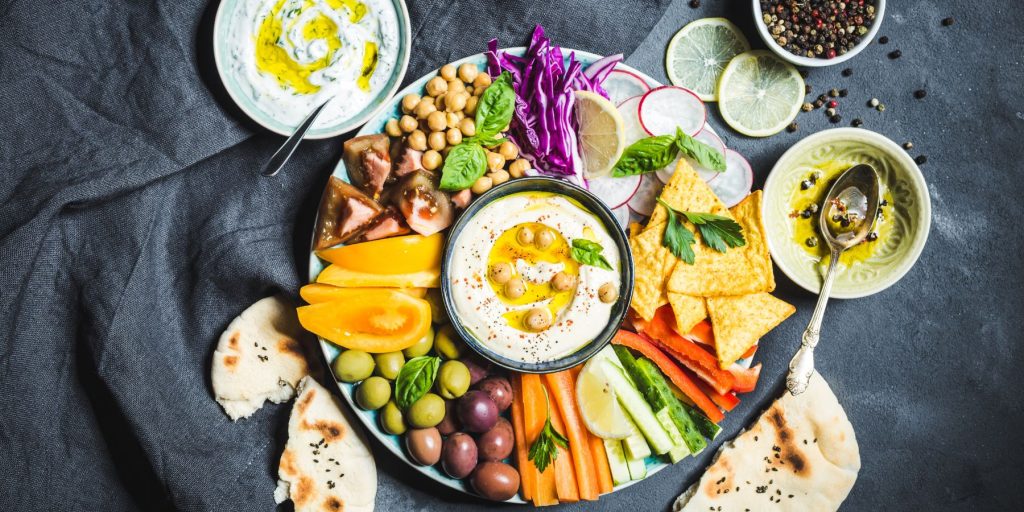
(948, 21)
(813, 208)
(833, 104)
(807, 88)
(818, 103)
(883, 40)
(873, 102)
(829, 112)
(816, 175)
(805, 184)
(811, 242)
(807, 107)
(792, 127)
(843, 93)
(884, 203)
(872, 236)
(908, 145)
(823, 98)
(880, 107)
(847, 72)
(835, 119)
(857, 123)
(921, 159)
(806, 214)
(920, 94)
(895, 54)
(833, 92)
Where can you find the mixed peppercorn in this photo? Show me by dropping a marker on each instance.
(818, 28)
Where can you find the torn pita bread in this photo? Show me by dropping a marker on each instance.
(258, 358)
(738, 322)
(801, 454)
(688, 310)
(326, 465)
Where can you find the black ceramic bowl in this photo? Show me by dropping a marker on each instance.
(590, 202)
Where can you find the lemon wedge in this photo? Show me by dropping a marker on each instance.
(601, 133)
(599, 405)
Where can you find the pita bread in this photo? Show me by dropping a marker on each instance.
(326, 465)
(801, 454)
(738, 322)
(688, 310)
(258, 358)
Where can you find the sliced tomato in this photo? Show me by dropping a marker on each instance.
(701, 362)
(746, 378)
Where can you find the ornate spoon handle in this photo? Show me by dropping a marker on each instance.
(802, 365)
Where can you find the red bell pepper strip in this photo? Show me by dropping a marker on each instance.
(674, 373)
(702, 333)
(750, 351)
(727, 401)
(746, 378)
(688, 353)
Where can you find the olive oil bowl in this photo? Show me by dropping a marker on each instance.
(588, 305)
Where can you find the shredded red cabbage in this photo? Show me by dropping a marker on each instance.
(543, 125)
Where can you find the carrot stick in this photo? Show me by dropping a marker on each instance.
(564, 391)
(527, 479)
(565, 475)
(604, 471)
(536, 409)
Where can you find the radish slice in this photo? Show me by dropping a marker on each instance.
(707, 137)
(630, 112)
(615, 192)
(667, 107)
(734, 184)
(621, 215)
(646, 196)
(621, 84)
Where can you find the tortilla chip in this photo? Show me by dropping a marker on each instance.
(688, 310)
(687, 192)
(738, 322)
(738, 271)
(653, 264)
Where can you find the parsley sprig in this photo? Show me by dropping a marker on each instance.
(544, 449)
(718, 233)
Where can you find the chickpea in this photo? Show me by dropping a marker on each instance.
(495, 161)
(455, 101)
(519, 167)
(417, 140)
(439, 102)
(456, 86)
(607, 293)
(525, 236)
(431, 160)
(436, 141)
(545, 238)
(468, 127)
(515, 288)
(461, 115)
(471, 103)
(481, 81)
(407, 124)
(468, 72)
(498, 177)
(508, 150)
(537, 319)
(451, 120)
(562, 281)
(481, 185)
(437, 86)
(425, 108)
(453, 136)
(436, 121)
(409, 102)
(470, 90)
(447, 72)
(392, 128)
(501, 273)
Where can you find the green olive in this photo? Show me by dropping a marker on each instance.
(373, 393)
(452, 379)
(389, 364)
(421, 347)
(447, 344)
(437, 311)
(391, 419)
(426, 412)
(353, 366)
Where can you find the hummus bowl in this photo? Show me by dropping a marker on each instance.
(579, 305)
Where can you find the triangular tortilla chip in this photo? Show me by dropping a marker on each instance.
(687, 192)
(738, 322)
(738, 271)
(688, 310)
(653, 264)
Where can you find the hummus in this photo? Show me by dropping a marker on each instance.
(526, 241)
(289, 56)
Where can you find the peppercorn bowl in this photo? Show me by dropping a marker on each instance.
(818, 23)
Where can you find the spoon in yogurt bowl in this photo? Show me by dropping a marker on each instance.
(847, 215)
(281, 156)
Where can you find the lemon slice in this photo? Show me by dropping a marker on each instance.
(759, 94)
(698, 53)
(599, 405)
(601, 133)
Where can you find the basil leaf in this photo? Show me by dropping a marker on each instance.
(496, 106)
(487, 142)
(646, 155)
(706, 156)
(717, 231)
(415, 379)
(464, 164)
(588, 252)
(678, 239)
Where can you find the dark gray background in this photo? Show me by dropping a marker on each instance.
(133, 228)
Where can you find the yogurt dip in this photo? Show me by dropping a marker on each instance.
(289, 56)
(520, 284)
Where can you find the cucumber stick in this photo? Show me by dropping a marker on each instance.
(704, 424)
(679, 450)
(633, 402)
(636, 446)
(637, 468)
(617, 461)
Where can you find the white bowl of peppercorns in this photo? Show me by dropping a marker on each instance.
(817, 33)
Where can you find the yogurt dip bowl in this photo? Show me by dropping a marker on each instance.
(536, 275)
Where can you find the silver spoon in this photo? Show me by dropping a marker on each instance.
(854, 197)
(279, 158)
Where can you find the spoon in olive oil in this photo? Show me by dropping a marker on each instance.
(846, 218)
